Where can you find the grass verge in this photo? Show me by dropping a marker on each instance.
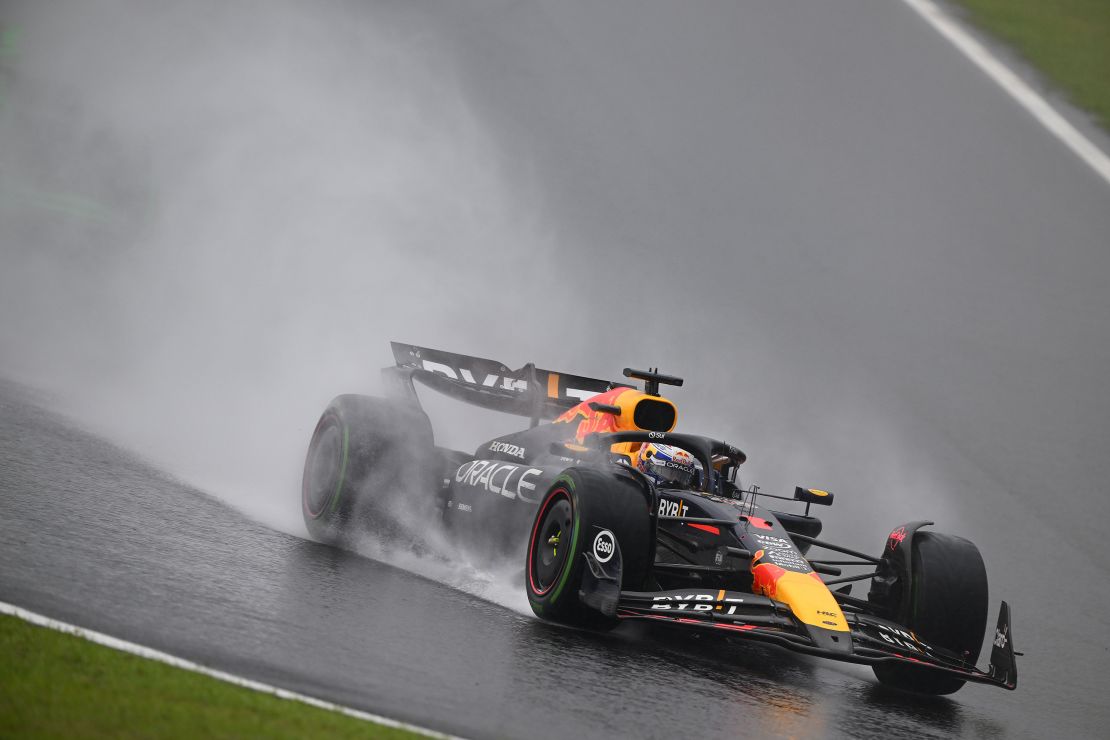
(57, 685)
(1068, 40)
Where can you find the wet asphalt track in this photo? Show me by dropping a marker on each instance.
(92, 536)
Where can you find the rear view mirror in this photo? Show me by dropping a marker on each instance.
(813, 496)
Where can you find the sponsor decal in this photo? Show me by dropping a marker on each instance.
(508, 449)
(770, 541)
(492, 380)
(696, 601)
(780, 551)
(667, 507)
(896, 538)
(497, 381)
(899, 637)
(605, 544)
(1000, 639)
(464, 507)
(505, 479)
(657, 435)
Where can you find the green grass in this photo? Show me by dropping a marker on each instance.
(56, 685)
(1068, 40)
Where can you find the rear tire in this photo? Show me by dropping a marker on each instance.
(365, 454)
(947, 608)
(580, 504)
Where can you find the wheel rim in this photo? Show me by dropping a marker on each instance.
(551, 543)
(322, 470)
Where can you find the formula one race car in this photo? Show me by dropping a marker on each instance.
(615, 517)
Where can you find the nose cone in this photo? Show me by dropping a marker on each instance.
(809, 598)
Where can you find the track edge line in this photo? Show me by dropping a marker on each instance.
(156, 655)
(1022, 93)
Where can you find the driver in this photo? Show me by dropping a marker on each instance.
(669, 467)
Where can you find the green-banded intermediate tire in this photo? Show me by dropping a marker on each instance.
(581, 504)
(366, 455)
(947, 608)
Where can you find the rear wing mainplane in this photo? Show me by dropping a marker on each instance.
(529, 391)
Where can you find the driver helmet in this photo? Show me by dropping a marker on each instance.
(670, 467)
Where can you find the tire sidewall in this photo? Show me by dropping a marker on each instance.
(562, 489)
(385, 448)
(328, 421)
(599, 500)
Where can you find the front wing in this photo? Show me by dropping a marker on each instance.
(873, 640)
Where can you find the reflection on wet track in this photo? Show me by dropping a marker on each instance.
(94, 537)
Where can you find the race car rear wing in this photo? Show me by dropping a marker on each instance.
(529, 391)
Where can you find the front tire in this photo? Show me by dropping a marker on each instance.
(947, 608)
(579, 505)
(364, 455)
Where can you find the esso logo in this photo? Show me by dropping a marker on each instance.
(604, 546)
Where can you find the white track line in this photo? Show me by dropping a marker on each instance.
(1014, 85)
(151, 654)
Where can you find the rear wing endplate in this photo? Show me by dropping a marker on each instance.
(529, 391)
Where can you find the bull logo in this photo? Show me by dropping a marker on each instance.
(896, 538)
